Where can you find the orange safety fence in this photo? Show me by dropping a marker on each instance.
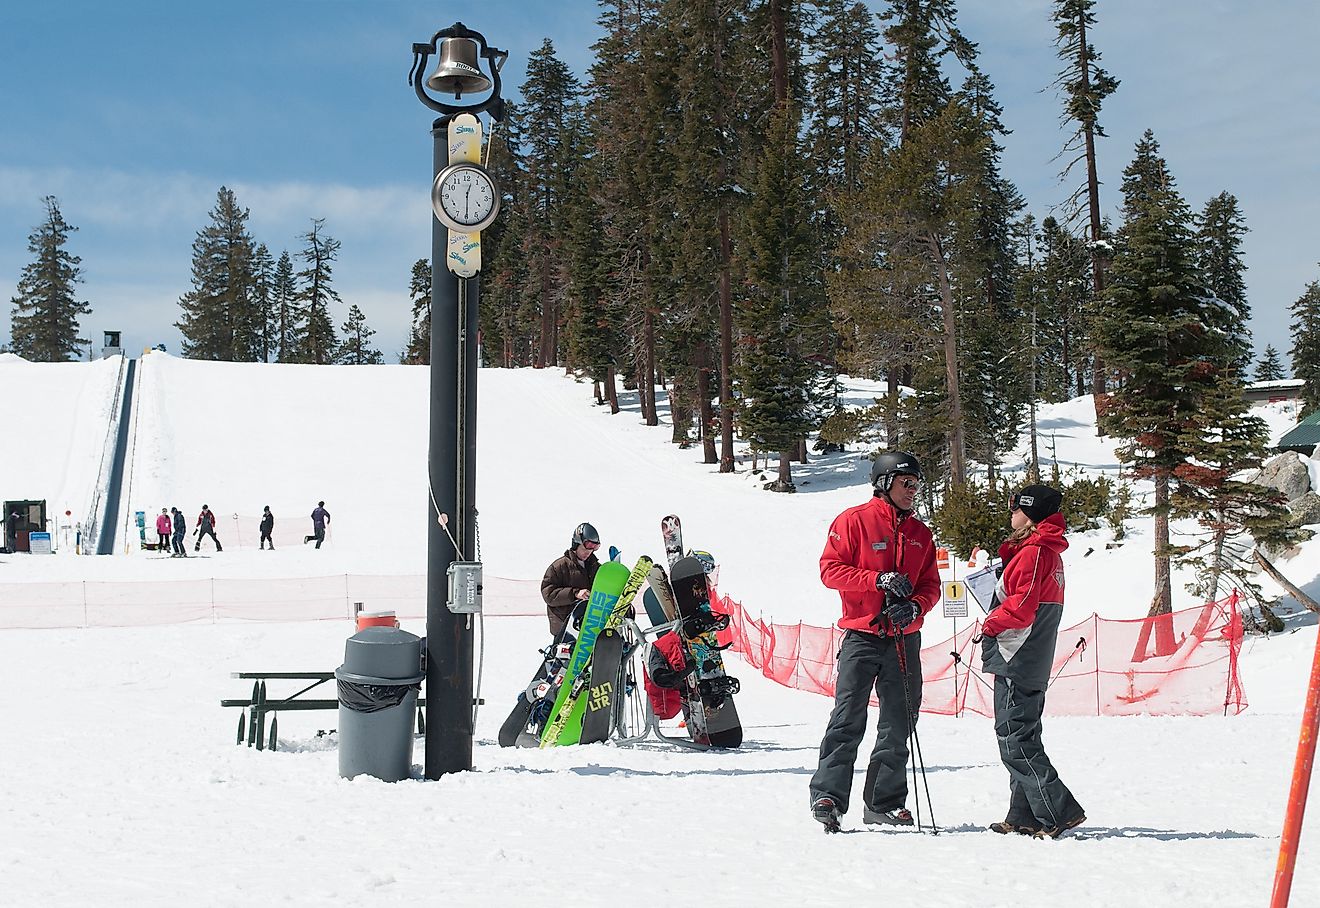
(1102, 667)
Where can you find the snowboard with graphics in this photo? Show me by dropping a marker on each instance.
(698, 627)
(607, 685)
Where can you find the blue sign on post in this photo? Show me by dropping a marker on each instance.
(39, 543)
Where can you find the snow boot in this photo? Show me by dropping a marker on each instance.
(824, 811)
(1003, 827)
(897, 816)
(1053, 832)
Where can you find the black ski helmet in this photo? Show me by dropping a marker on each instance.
(888, 464)
(585, 532)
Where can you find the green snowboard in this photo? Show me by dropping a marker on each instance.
(565, 725)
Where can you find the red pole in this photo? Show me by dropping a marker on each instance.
(1301, 781)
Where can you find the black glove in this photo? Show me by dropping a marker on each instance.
(894, 583)
(902, 612)
(671, 678)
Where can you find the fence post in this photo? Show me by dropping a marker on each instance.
(1301, 782)
(84, 586)
(1095, 635)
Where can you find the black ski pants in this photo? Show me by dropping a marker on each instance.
(318, 533)
(265, 538)
(163, 544)
(869, 662)
(1037, 796)
(208, 531)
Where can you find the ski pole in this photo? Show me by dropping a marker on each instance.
(1078, 648)
(916, 755)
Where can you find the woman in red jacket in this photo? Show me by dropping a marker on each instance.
(1018, 644)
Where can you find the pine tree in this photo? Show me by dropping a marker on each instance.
(778, 380)
(286, 315)
(550, 98)
(1167, 334)
(1085, 86)
(1306, 345)
(263, 300)
(418, 351)
(1066, 295)
(1270, 367)
(315, 294)
(1219, 255)
(44, 323)
(356, 349)
(217, 322)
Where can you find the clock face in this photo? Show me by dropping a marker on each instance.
(464, 198)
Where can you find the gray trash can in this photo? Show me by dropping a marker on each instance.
(378, 685)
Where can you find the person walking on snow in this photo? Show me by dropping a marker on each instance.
(180, 532)
(164, 530)
(881, 560)
(1017, 641)
(567, 581)
(267, 525)
(206, 527)
(320, 517)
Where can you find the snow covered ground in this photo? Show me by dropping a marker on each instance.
(121, 784)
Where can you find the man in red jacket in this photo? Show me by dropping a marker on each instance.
(881, 559)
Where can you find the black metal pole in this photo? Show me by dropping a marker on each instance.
(452, 474)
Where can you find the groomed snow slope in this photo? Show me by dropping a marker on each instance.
(121, 784)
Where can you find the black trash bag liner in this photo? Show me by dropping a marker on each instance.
(372, 698)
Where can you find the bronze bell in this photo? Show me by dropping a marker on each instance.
(457, 71)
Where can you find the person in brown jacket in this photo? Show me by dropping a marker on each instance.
(568, 579)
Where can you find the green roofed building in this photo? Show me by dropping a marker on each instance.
(1303, 437)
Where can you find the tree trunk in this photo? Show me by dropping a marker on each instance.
(785, 481)
(611, 390)
(802, 450)
(1162, 601)
(1292, 589)
(957, 449)
(892, 400)
(726, 345)
(1093, 204)
(648, 354)
(679, 412)
(546, 352)
(704, 411)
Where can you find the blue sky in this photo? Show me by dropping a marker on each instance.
(134, 113)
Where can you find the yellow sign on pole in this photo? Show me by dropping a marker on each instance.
(955, 599)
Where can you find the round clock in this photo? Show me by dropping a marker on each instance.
(465, 198)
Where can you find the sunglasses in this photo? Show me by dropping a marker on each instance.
(910, 484)
(590, 546)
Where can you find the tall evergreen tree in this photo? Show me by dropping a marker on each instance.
(217, 321)
(551, 97)
(1219, 235)
(777, 378)
(418, 351)
(1066, 304)
(44, 323)
(286, 314)
(263, 305)
(1085, 85)
(1306, 345)
(356, 349)
(316, 293)
(1166, 332)
(1270, 367)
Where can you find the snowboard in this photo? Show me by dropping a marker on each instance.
(694, 711)
(671, 529)
(527, 719)
(603, 688)
(698, 627)
(611, 596)
(606, 688)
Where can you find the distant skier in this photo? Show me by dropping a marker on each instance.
(320, 517)
(568, 579)
(267, 524)
(206, 527)
(164, 530)
(180, 532)
(1018, 638)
